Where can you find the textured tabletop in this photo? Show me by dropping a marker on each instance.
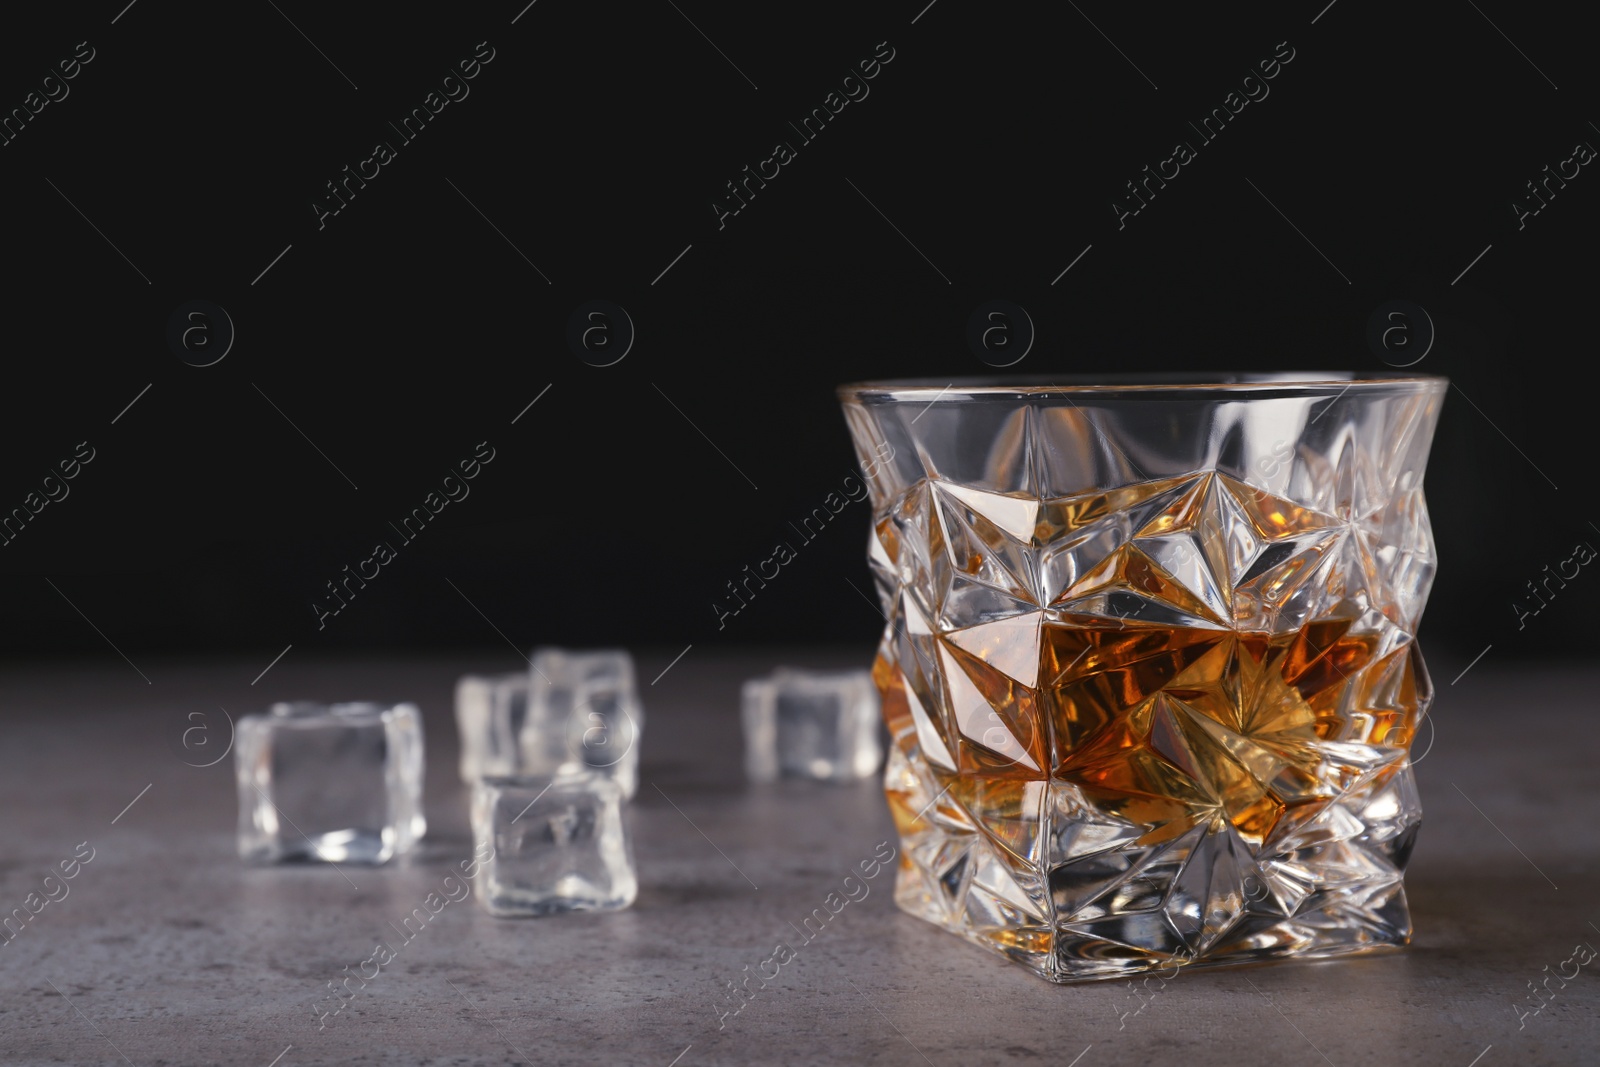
(166, 950)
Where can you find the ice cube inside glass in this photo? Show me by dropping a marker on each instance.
(491, 711)
(821, 725)
(554, 844)
(339, 783)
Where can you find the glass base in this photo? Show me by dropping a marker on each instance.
(1096, 944)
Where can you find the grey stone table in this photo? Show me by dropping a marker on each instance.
(166, 950)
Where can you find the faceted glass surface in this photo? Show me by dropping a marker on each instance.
(583, 714)
(1150, 668)
(340, 782)
(490, 714)
(811, 724)
(558, 844)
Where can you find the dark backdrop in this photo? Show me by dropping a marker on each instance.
(384, 342)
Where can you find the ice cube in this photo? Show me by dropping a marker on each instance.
(554, 844)
(340, 783)
(821, 725)
(583, 713)
(491, 711)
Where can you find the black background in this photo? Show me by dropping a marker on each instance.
(407, 329)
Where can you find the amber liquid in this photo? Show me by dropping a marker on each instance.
(1174, 727)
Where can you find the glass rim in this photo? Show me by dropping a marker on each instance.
(1293, 383)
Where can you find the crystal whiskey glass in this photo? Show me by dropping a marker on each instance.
(1151, 667)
